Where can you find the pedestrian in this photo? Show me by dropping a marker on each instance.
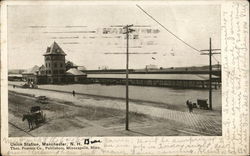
(190, 107)
(73, 93)
(187, 103)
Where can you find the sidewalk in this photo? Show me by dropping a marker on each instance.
(200, 123)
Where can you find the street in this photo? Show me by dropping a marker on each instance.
(97, 116)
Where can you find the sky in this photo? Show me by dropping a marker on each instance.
(83, 32)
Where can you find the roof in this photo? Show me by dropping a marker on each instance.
(81, 68)
(155, 76)
(32, 70)
(74, 71)
(54, 49)
(152, 66)
(14, 75)
(42, 67)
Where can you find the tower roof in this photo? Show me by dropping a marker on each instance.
(54, 49)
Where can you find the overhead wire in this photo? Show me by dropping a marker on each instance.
(215, 58)
(167, 29)
(170, 31)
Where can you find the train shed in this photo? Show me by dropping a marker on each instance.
(159, 80)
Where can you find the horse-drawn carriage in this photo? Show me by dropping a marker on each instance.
(202, 103)
(25, 85)
(29, 85)
(34, 117)
(42, 99)
(36, 110)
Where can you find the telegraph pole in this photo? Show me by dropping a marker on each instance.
(127, 31)
(210, 69)
(210, 74)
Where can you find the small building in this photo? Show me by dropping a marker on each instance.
(15, 77)
(151, 67)
(31, 74)
(75, 75)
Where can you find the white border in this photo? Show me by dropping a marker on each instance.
(228, 144)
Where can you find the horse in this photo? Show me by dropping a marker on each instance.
(35, 109)
(32, 119)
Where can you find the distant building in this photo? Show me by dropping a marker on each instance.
(151, 67)
(81, 68)
(216, 67)
(104, 68)
(54, 69)
(15, 77)
(31, 74)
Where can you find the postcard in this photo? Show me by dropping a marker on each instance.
(124, 78)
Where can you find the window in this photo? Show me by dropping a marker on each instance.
(55, 64)
(61, 65)
(46, 65)
(49, 71)
(47, 58)
(55, 71)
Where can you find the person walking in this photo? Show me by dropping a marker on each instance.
(190, 106)
(73, 92)
(187, 103)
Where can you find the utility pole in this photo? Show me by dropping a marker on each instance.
(210, 74)
(127, 31)
(210, 70)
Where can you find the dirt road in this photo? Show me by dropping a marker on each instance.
(84, 115)
(68, 119)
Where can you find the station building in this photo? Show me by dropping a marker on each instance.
(54, 69)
